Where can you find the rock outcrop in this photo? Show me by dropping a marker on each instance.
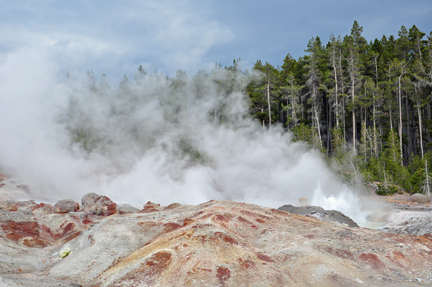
(320, 213)
(66, 206)
(419, 198)
(217, 243)
(98, 204)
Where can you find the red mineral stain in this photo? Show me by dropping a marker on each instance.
(147, 273)
(91, 239)
(264, 257)
(149, 210)
(171, 226)
(341, 253)
(225, 238)
(245, 221)
(159, 260)
(187, 221)
(34, 242)
(205, 216)
(280, 212)
(260, 220)
(68, 228)
(46, 230)
(223, 274)
(18, 230)
(246, 264)
(398, 255)
(37, 206)
(220, 217)
(87, 221)
(72, 236)
(372, 260)
(172, 206)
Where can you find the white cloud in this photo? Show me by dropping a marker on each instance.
(111, 35)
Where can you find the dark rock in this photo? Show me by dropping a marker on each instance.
(65, 206)
(420, 198)
(126, 209)
(320, 213)
(98, 204)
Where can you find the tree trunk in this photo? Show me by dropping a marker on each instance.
(420, 128)
(375, 142)
(268, 101)
(353, 117)
(336, 97)
(400, 119)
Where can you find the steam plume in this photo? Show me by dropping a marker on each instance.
(184, 139)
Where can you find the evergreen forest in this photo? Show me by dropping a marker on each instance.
(365, 105)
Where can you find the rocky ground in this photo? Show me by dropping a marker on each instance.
(98, 243)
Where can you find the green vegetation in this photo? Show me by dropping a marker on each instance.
(366, 106)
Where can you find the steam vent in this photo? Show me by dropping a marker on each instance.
(217, 243)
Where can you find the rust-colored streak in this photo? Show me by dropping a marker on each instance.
(67, 229)
(147, 273)
(341, 253)
(372, 260)
(220, 217)
(87, 221)
(245, 221)
(246, 264)
(187, 221)
(34, 242)
(223, 274)
(149, 210)
(205, 216)
(264, 257)
(172, 206)
(171, 226)
(226, 238)
(260, 220)
(398, 255)
(72, 236)
(18, 230)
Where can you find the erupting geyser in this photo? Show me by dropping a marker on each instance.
(184, 140)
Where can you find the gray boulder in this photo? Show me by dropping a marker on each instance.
(127, 209)
(420, 198)
(65, 206)
(98, 204)
(320, 213)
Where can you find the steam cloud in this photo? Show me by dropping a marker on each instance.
(184, 140)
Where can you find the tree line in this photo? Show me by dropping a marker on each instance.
(368, 103)
(366, 106)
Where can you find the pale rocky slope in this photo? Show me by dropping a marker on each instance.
(217, 243)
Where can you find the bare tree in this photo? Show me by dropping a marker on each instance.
(427, 181)
(400, 68)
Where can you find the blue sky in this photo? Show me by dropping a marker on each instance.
(115, 37)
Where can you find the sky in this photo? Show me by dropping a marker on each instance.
(115, 37)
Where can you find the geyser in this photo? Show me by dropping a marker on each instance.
(183, 139)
